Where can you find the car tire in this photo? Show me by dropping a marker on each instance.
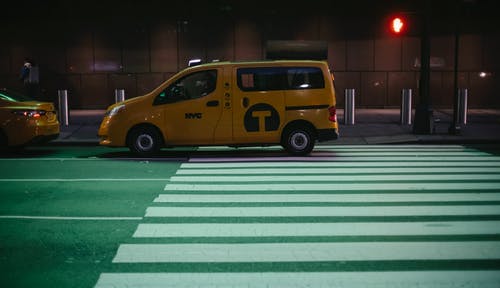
(298, 140)
(144, 141)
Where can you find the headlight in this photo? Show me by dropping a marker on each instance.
(30, 113)
(115, 110)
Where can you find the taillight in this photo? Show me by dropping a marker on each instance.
(30, 113)
(332, 110)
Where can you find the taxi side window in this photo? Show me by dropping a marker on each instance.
(280, 78)
(192, 86)
(261, 79)
(305, 78)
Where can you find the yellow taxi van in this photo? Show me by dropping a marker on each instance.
(24, 121)
(286, 102)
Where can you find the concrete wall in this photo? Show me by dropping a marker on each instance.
(91, 48)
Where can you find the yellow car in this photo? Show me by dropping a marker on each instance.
(288, 103)
(24, 121)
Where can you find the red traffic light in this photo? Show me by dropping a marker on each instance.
(397, 25)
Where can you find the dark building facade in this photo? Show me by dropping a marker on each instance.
(91, 48)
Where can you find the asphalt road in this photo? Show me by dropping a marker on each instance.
(346, 216)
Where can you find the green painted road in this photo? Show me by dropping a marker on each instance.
(346, 216)
(64, 211)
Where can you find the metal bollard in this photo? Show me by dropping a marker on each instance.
(63, 107)
(349, 108)
(119, 95)
(405, 112)
(462, 106)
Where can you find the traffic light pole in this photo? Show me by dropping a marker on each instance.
(423, 113)
(455, 127)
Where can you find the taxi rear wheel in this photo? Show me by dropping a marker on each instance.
(298, 140)
(144, 141)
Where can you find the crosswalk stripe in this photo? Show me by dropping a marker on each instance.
(306, 252)
(343, 164)
(402, 279)
(326, 198)
(395, 152)
(378, 186)
(344, 158)
(337, 178)
(301, 211)
(339, 170)
(363, 147)
(317, 229)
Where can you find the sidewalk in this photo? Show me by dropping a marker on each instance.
(372, 126)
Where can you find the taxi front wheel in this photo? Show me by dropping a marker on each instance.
(144, 141)
(298, 140)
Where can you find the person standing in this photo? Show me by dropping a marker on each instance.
(30, 77)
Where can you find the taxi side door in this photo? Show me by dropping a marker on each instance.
(259, 104)
(192, 108)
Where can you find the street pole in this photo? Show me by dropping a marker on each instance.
(423, 113)
(455, 126)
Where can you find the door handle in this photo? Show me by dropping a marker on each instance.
(245, 102)
(213, 103)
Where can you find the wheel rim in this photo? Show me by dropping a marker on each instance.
(299, 141)
(144, 142)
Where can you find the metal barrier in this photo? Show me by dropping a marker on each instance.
(349, 108)
(462, 106)
(119, 95)
(405, 112)
(63, 107)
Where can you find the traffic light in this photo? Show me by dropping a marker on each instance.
(397, 25)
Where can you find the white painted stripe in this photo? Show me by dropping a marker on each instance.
(68, 218)
(355, 146)
(82, 179)
(400, 279)
(317, 229)
(414, 153)
(45, 159)
(394, 147)
(325, 198)
(306, 252)
(339, 170)
(333, 186)
(339, 162)
(342, 147)
(337, 158)
(301, 211)
(338, 178)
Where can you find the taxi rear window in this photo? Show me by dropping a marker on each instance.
(280, 78)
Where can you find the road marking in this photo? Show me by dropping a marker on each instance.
(402, 279)
(328, 211)
(45, 159)
(325, 198)
(82, 179)
(334, 186)
(344, 147)
(334, 148)
(68, 218)
(338, 158)
(341, 164)
(306, 252)
(472, 176)
(317, 229)
(338, 178)
(340, 170)
(387, 153)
